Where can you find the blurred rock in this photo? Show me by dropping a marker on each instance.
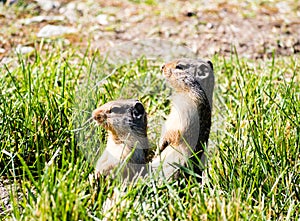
(102, 19)
(53, 30)
(5, 61)
(48, 5)
(24, 49)
(38, 19)
(70, 12)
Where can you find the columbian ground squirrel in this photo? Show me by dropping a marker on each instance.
(187, 127)
(126, 123)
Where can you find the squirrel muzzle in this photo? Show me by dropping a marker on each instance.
(100, 116)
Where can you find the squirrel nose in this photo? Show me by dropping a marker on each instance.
(99, 116)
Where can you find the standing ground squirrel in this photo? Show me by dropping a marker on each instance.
(187, 127)
(126, 123)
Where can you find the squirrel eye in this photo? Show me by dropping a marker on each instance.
(115, 110)
(180, 67)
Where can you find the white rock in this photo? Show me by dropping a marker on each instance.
(70, 14)
(5, 61)
(24, 49)
(53, 30)
(102, 19)
(47, 5)
(38, 19)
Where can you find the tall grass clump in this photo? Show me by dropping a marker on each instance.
(257, 150)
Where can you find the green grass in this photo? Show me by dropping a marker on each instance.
(47, 149)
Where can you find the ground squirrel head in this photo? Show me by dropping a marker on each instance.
(196, 67)
(185, 68)
(122, 118)
(179, 75)
(190, 75)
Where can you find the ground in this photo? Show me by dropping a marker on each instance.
(255, 30)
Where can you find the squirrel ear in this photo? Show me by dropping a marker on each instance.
(138, 110)
(210, 64)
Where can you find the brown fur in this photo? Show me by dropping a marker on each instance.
(172, 137)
